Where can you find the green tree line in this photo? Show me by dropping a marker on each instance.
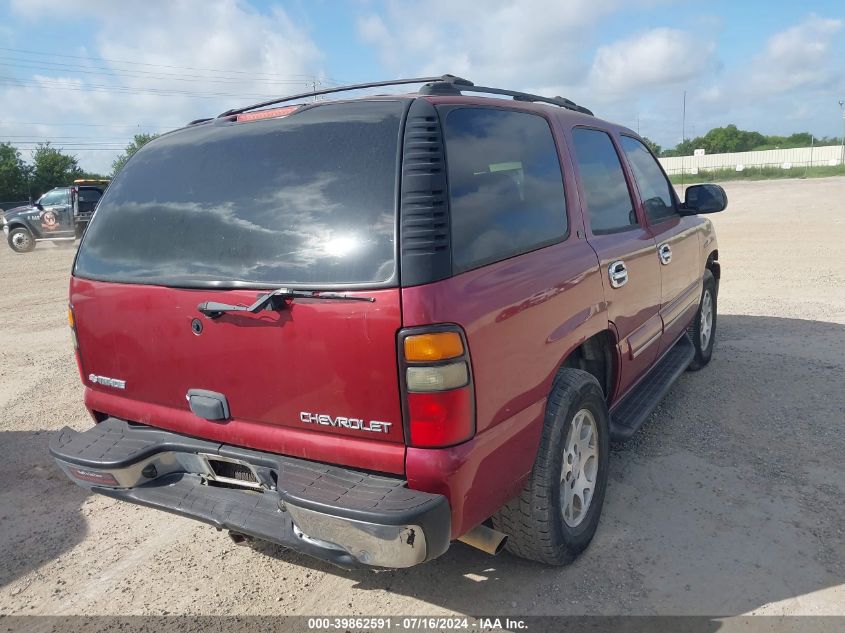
(722, 140)
(50, 167)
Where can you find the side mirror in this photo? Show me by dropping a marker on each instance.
(704, 199)
(39, 206)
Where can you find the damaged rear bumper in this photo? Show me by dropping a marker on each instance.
(347, 517)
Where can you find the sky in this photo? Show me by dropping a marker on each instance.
(88, 74)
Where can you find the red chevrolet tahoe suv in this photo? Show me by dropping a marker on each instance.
(366, 328)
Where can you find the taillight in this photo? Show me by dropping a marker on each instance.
(71, 320)
(437, 386)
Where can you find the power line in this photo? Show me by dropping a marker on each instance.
(35, 138)
(142, 74)
(80, 124)
(77, 149)
(58, 85)
(118, 61)
(120, 143)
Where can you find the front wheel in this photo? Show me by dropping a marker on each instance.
(21, 240)
(556, 514)
(702, 330)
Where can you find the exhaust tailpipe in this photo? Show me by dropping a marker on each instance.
(486, 539)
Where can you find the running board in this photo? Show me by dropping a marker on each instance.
(634, 409)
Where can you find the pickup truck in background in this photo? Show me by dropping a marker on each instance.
(61, 214)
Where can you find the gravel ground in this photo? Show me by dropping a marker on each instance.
(728, 501)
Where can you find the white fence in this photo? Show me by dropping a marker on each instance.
(796, 157)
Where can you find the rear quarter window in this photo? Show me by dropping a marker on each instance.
(506, 192)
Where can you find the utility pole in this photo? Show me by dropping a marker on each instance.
(842, 112)
(812, 144)
(683, 138)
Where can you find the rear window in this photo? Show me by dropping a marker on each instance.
(88, 195)
(505, 185)
(306, 199)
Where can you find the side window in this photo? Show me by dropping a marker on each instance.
(608, 201)
(505, 185)
(654, 188)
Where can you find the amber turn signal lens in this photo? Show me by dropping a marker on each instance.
(431, 347)
(70, 318)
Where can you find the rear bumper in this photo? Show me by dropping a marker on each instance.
(346, 517)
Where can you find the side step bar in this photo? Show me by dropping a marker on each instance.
(634, 409)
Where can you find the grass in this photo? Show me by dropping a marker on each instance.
(757, 173)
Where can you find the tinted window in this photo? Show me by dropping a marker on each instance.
(88, 195)
(308, 198)
(608, 202)
(505, 185)
(654, 188)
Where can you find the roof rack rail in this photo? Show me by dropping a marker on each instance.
(532, 98)
(455, 88)
(448, 79)
(445, 84)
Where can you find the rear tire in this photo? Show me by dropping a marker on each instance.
(21, 240)
(546, 523)
(702, 330)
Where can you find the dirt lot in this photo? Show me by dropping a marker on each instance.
(729, 501)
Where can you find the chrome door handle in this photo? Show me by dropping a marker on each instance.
(618, 274)
(665, 254)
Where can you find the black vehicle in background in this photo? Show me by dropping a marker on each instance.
(61, 214)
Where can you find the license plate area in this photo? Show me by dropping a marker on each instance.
(230, 473)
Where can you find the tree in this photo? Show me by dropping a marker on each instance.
(730, 138)
(13, 174)
(685, 148)
(90, 175)
(654, 147)
(137, 143)
(52, 168)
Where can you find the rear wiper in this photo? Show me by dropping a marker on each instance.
(274, 301)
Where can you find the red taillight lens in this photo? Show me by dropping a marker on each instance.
(437, 386)
(441, 418)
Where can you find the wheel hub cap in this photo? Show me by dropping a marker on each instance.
(706, 325)
(580, 468)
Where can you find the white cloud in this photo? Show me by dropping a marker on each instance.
(506, 42)
(792, 83)
(256, 55)
(542, 46)
(799, 57)
(657, 58)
